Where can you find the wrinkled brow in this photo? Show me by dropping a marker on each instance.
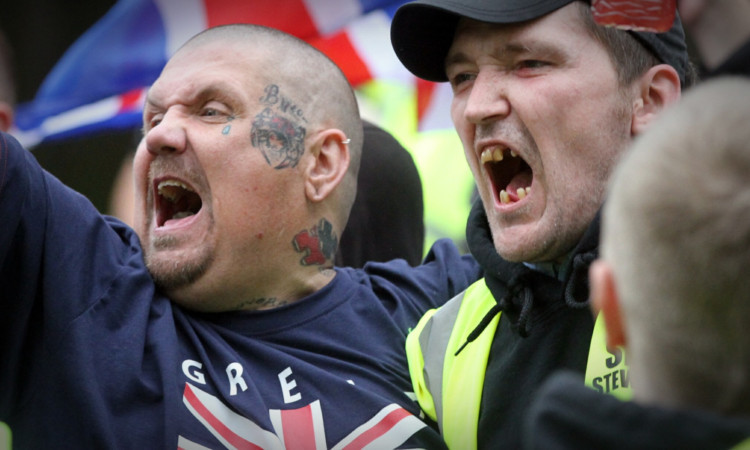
(220, 92)
(510, 50)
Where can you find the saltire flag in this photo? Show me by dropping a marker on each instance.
(101, 81)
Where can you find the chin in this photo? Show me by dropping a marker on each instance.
(171, 276)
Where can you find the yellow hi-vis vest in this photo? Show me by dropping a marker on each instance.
(439, 376)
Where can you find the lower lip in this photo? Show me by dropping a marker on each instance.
(512, 204)
(177, 224)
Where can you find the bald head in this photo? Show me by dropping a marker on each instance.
(309, 75)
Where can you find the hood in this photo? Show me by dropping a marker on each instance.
(521, 291)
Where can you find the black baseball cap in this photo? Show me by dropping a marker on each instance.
(422, 31)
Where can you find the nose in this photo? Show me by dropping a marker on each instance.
(488, 99)
(168, 136)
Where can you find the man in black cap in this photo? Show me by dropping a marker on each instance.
(545, 101)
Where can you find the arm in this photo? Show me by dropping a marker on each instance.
(408, 292)
(55, 261)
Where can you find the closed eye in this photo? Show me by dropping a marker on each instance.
(153, 121)
(532, 64)
(214, 111)
(532, 67)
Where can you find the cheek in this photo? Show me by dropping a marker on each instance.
(458, 105)
(580, 121)
(139, 192)
(464, 130)
(139, 178)
(141, 161)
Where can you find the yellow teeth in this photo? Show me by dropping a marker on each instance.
(521, 192)
(165, 190)
(494, 154)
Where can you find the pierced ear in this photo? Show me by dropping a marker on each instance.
(330, 162)
(659, 88)
(605, 300)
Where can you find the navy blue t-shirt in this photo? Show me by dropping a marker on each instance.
(92, 356)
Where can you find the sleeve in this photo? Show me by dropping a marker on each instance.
(57, 257)
(408, 292)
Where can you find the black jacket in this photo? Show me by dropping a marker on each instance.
(545, 325)
(568, 415)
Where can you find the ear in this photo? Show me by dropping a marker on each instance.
(6, 116)
(330, 162)
(658, 88)
(605, 300)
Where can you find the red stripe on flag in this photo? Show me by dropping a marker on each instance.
(424, 96)
(223, 430)
(339, 48)
(130, 100)
(290, 16)
(379, 429)
(298, 428)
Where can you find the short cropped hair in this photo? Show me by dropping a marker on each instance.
(676, 231)
(318, 81)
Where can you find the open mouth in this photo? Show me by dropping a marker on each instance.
(175, 201)
(511, 176)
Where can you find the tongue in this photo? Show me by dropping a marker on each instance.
(178, 217)
(520, 180)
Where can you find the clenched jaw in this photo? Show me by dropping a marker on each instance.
(510, 175)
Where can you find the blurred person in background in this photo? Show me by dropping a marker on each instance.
(7, 84)
(720, 30)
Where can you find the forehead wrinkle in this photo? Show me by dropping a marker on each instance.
(512, 49)
(501, 41)
(187, 94)
(536, 48)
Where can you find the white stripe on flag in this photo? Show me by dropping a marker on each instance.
(394, 436)
(370, 36)
(182, 20)
(81, 116)
(318, 425)
(437, 116)
(330, 16)
(186, 444)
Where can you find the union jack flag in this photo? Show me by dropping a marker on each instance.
(101, 81)
(301, 428)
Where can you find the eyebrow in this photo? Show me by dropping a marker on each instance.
(220, 92)
(511, 50)
(541, 48)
